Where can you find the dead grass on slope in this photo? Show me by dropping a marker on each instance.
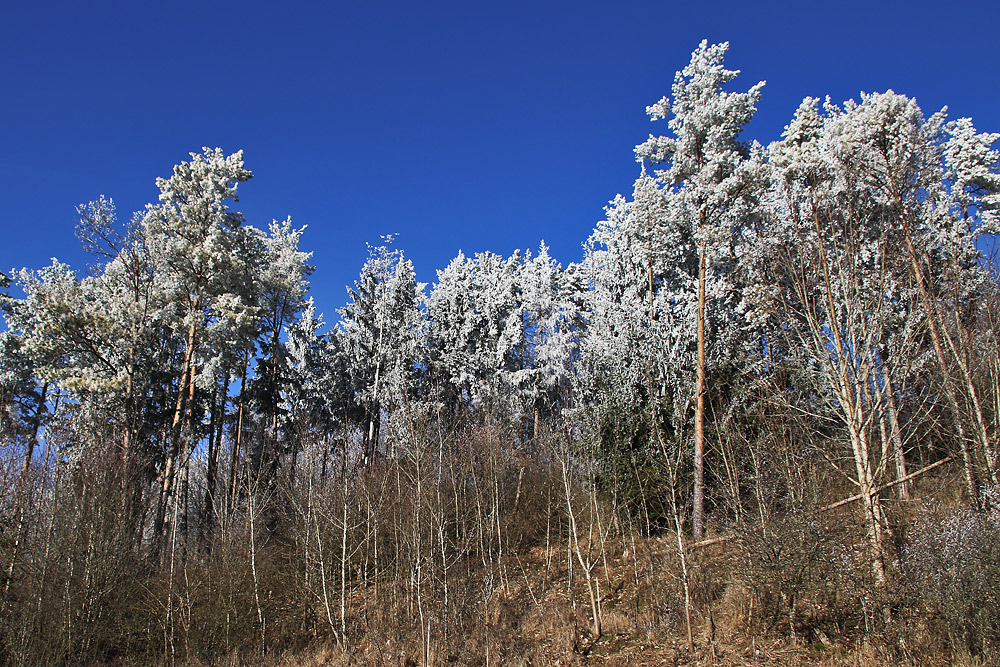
(540, 615)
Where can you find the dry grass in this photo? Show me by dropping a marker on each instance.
(539, 620)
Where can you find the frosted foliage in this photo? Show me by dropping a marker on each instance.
(874, 168)
(451, 324)
(705, 121)
(619, 341)
(205, 262)
(90, 335)
(284, 270)
(503, 330)
(311, 393)
(278, 288)
(704, 194)
(798, 153)
(184, 282)
(853, 188)
(643, 260)
(889, 144)
(198, 189)
(636, 336)
(552, 320)
(475, 331)
(304, 339)
(192, 234)
(95, 228)
(17, 385)
(67, 326)
(381, 325)
(972, 167)
(12, 362)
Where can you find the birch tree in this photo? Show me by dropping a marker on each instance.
(870, 245)
(832, 253)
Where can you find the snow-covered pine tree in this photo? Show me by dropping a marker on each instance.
(700, 170)
(380, 328)
(475, 331)
(552, 322)
(192, 236)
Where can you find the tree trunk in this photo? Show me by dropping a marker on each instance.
(218, 422)
(896, 439)
(36, 425)
(234, 462)
(933, 317)
(698, 498)
(174, 442)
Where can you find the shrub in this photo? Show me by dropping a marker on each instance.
(953, 565)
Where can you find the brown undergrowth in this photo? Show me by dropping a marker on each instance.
(540, 616)
(476, 552)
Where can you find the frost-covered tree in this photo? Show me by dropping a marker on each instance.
(99, 339)
(475, 331)
(971, 171)
(136, 306)
(309, 390)
(552, 302)
(637, 353)
(279, 285)
(22, 397)
(450, 343)
(702, 168)
(829, 245)
(932, 183)
(380, 327)
(498, 334)
(192, 236)
(869, 238)
(971, 178)
(63, 324)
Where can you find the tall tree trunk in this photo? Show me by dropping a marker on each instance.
(269, 451)
(216, 427)
(896, 438)
(131, 418)
(933, 321)
(36, 425)
(234, 462)
(963, 356)
(175, 441)
(851, 376)
(375, 409)
(698, 498)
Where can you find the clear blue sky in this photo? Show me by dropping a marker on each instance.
(460, 125)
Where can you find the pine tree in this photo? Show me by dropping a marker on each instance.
(380, 327)
(701, 170)
(192, 237)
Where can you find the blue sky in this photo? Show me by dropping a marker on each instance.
(461, 125)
